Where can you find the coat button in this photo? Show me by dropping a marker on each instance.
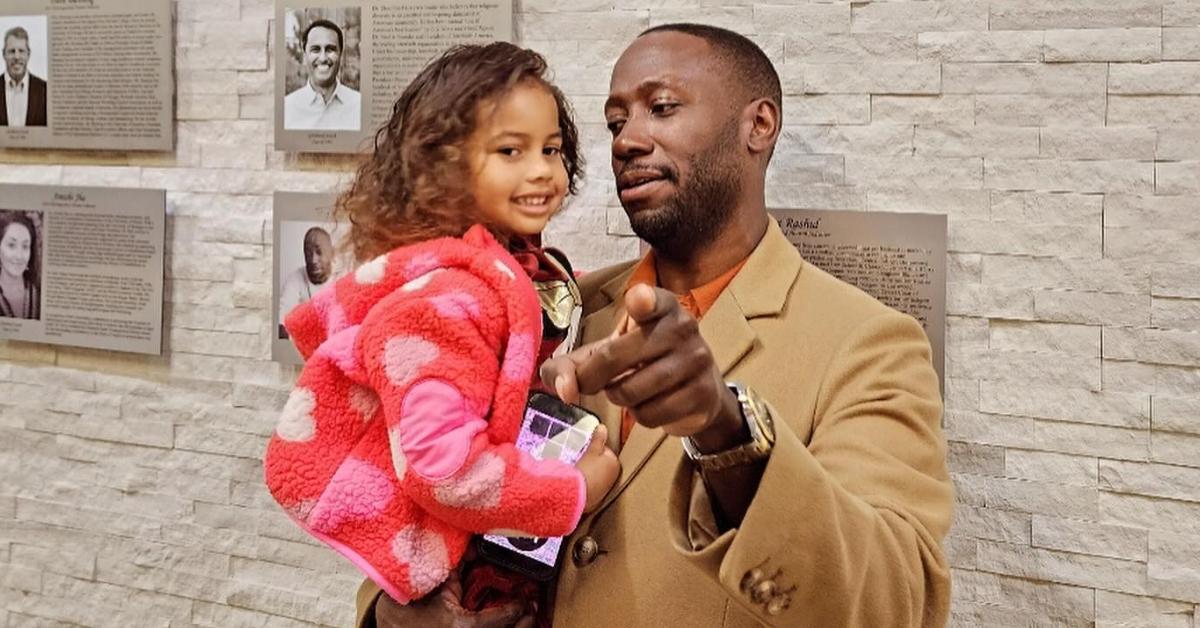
(778, 604)
(585, 551)
(763, 591)
(752, 577)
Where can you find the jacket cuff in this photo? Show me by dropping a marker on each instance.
(732, 555)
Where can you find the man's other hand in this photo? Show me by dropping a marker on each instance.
(443, 609)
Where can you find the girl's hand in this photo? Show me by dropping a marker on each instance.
(599, 467)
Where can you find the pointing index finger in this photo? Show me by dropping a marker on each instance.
(646, 304)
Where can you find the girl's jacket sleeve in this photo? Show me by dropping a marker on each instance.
(447, 362)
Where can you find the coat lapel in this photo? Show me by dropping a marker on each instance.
(598, 326)
(642, 442)
(759, 290)
(727, 332)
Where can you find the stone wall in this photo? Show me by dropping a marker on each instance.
(1062, 139)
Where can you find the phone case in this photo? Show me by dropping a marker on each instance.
(544, 435)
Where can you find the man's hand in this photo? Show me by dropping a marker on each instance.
(659, 367)
(443, 609)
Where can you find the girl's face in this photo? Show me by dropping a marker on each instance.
(15, 249)
(518, 176)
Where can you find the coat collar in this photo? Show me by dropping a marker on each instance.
(759, 290)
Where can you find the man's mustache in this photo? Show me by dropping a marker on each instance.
(665, 171)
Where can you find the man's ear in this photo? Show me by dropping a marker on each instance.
(764, 120)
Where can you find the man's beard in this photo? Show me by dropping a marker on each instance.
(316, 274)
(695, 215)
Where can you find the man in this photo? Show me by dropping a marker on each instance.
(816, 494)
(302, 283)
(23, 101)
(324, 103)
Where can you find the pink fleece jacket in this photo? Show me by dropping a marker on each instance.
(397, 443)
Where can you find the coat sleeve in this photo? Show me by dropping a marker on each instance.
(433, 356)
(364, 604)
(847, 528)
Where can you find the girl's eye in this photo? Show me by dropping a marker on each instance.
(510, 151)
(551, 150)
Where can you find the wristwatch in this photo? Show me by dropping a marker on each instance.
(761, 425)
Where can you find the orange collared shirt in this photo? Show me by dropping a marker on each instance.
(697, 301)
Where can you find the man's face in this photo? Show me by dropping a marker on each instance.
(675, 141)
(322, 56)
(318, 257)
(16, 57)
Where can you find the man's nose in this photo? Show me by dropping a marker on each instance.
(632, 140)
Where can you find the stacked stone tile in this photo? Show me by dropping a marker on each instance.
(1061, 138)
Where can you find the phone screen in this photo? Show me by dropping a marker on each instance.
(547, 436)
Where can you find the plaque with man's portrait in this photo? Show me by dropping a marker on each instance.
(340, 66)
(87, 75)
(307, 260)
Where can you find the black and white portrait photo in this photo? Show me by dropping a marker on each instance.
(23, 99)
(20, 264)
(307, 263)
(322, 69)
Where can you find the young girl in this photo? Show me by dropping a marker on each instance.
(397, 444)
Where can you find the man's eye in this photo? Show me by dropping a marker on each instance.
(663, 107)
(614, 126)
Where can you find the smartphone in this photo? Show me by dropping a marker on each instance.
(551, 429)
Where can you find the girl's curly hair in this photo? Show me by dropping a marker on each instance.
(415, 186)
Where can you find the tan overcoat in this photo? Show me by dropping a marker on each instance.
(855, 501)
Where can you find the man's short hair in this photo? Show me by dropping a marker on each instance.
(324, 24)
(749, 65)
(18, 32)
(313, 234)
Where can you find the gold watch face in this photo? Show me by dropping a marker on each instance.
(762, 436)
